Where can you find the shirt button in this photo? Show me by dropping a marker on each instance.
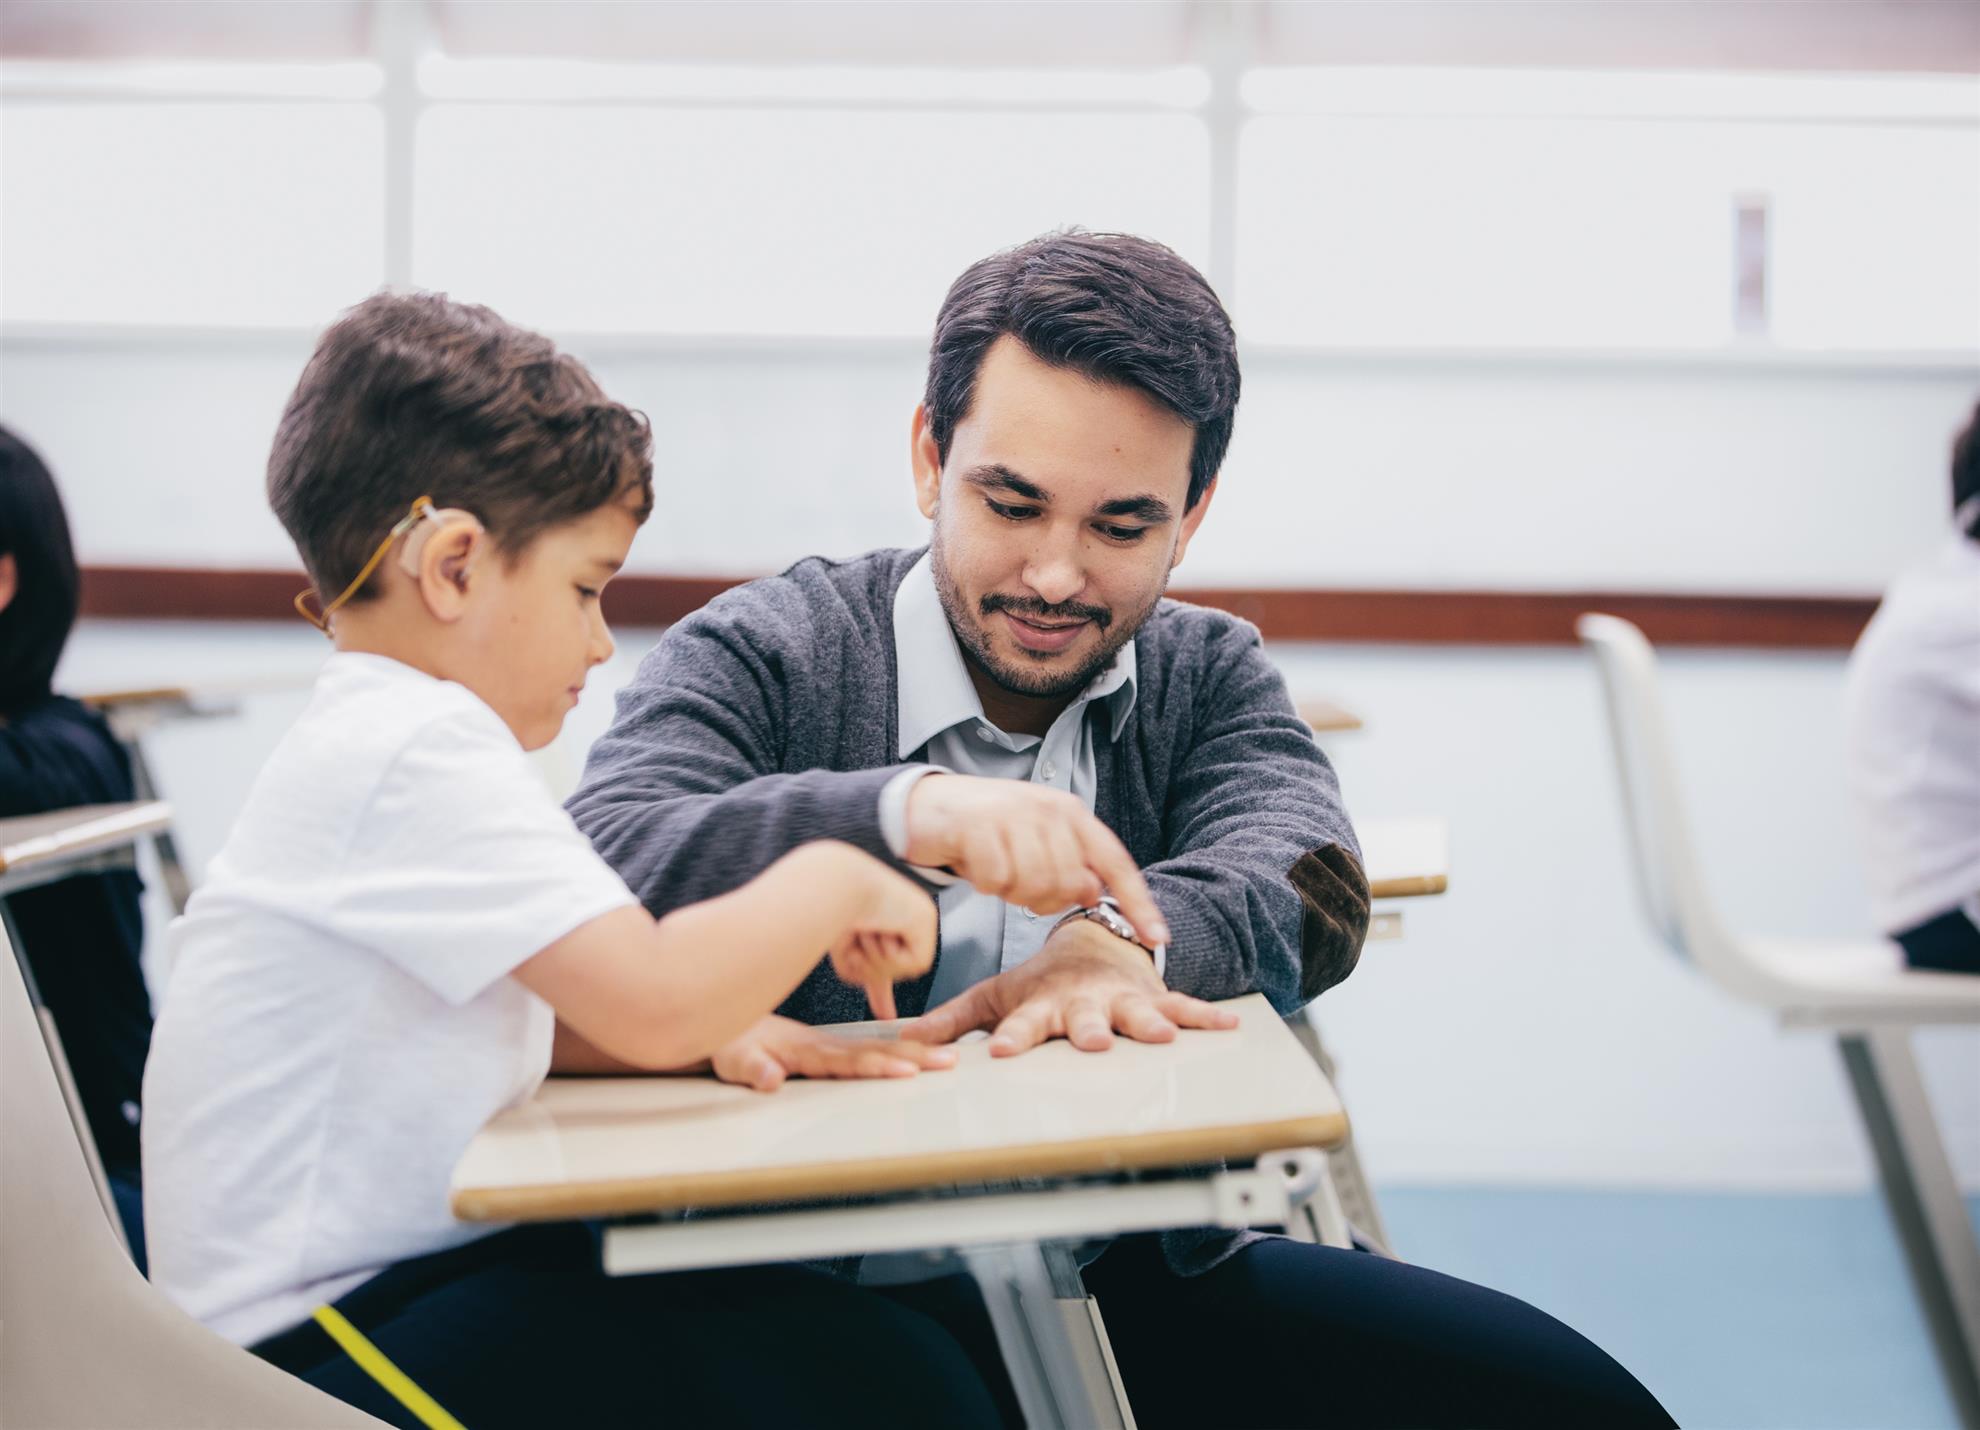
(983, 732)
(1050, 771)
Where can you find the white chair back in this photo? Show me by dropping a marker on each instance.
(88, 1341)
(1668, 876)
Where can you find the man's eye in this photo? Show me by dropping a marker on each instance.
(589, 593)
(1013, 513)
(1123, 533)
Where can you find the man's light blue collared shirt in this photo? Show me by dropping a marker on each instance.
(942, 724)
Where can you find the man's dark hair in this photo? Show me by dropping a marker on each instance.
(1966, 468)
(1116, 308)
(34, 531)
(412, 395)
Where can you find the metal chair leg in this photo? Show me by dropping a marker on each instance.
(1349, 1184)
(1053, 1344)
(1924, 1201)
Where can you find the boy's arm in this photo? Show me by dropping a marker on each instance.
(684, 795)
(645, 995)
(1262, 884)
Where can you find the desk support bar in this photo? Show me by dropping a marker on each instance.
(1266, 1195)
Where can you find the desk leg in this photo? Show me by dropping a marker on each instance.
(164, 843)
(1346, 1199)
(1050, 1333)
(1924, 1201)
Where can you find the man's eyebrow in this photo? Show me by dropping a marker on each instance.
(606, 564)
(1002, 478)
(997, 477)
(1150, 509)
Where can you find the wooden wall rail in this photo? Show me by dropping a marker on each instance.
(1497, 618)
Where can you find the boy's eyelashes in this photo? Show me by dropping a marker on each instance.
(589, 593)
(1122, 534)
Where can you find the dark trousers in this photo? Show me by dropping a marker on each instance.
(1287, 1334)
(522, 1329)
(1949, 943)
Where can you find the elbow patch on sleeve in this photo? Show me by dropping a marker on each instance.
(1333, 894)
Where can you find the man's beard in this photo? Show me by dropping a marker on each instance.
(1028, 679)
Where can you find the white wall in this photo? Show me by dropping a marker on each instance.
(1526, 1028)
(1346, 470)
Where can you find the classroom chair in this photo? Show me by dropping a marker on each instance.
(1859, 990)
(88, 1341)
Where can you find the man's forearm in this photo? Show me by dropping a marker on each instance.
(674, 848)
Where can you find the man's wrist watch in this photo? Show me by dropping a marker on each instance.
(1109, 918)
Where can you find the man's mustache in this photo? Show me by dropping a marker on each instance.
(1031, 608)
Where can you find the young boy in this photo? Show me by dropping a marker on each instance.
(404, 933)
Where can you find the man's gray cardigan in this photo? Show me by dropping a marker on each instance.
(769, 718)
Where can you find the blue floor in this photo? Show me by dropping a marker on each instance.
(1735, 1309)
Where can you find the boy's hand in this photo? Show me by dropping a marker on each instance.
(892, 938)
(777, 1048)
(1041, 848)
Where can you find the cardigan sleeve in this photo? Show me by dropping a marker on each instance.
(685, 795)
(1261, 879)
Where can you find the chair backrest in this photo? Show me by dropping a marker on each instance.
(88, 1341)
(1668, 876)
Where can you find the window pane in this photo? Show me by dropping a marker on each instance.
(1514, 232)
(1877, 234)
(804, 32)
(790, 221)
(223, 214)
(1609, 233)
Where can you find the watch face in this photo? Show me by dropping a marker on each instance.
(1113, 922)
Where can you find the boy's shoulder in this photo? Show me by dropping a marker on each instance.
(366, 715)
(378, 703)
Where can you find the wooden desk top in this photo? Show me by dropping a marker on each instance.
(208, 697)
(1325, 716)
(77, 833)
(1406, 858)
(586, 1147)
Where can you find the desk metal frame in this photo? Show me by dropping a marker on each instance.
(1017, 1243)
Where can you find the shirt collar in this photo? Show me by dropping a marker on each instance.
(935, 689)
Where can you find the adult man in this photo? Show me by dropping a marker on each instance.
(1019, 712)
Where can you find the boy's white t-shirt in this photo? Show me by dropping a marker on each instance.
(338, 1022)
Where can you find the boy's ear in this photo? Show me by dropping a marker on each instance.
(10, 580)
(446, 566)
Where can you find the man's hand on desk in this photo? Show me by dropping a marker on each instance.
(777, 1048)
(1084, 985)
(1028, 845)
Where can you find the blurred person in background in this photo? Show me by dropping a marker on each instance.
(81, 937)
(1913, 711)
